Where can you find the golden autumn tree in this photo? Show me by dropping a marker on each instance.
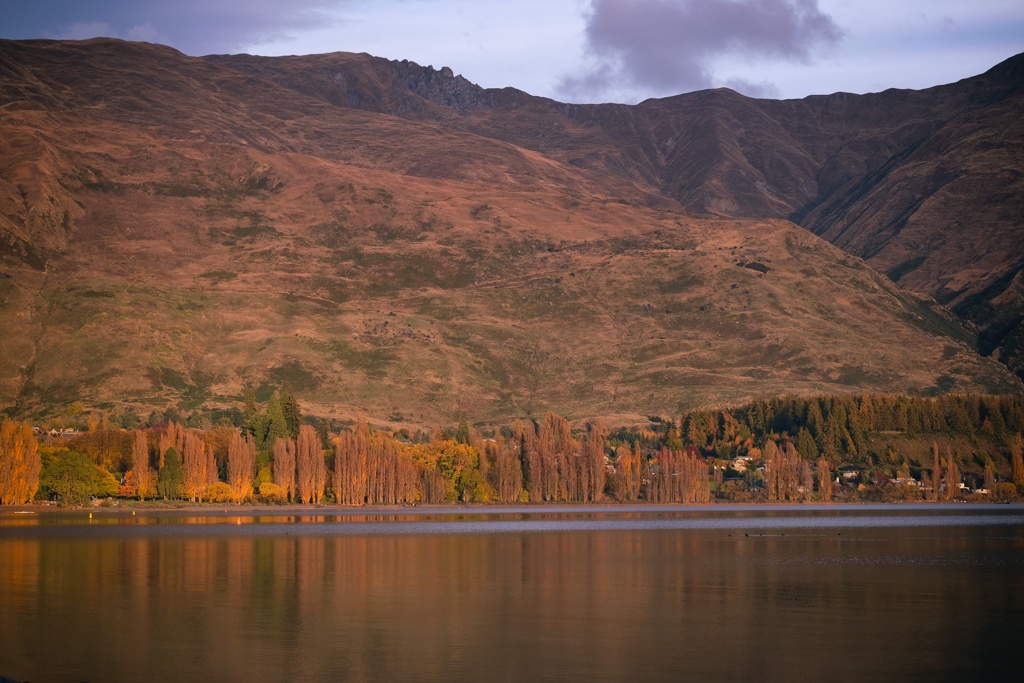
(772, 470)
(952, 476)
(173, 437)
(241, 466)
(195, 463)
(824, 481)
(449, 471)
(529, 455)
(141, 474)
(508, 471)
(351, 453)
(628, 475)
(284, 466)
(311, 468)
(677, 477)
(547, 444)
(391, 473)
(19, 463)
(806, 481)
(593, 462)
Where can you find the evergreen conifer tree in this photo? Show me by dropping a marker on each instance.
(171, 477)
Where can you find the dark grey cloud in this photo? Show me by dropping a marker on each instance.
(664, 47)
(195, 27)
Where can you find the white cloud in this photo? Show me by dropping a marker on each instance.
(145, 33)
(84, 30)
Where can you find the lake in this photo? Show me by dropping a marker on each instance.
(930, 593)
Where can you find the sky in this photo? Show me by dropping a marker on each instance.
(582, 50)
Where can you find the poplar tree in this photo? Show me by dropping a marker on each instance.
(194, 465)
(284, 466)
(241, 466)
(173, 437)
(593, 461)
(529, 456)
(806, 481)
(628, 476)
(952, 476)
(141, 472)
(509, 471)
(19, 463)
(351, 453)
(824, 481)
(311, 470)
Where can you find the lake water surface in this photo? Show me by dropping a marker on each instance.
(928, 593)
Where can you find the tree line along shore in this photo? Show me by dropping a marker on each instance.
(882, 448)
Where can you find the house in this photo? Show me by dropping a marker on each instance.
(740, 462)
(850, 471)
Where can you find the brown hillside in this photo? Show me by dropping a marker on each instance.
(176, 228)
(927, 186)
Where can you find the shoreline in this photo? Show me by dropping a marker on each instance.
(473, 508)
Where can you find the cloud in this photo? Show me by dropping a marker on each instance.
(80, 30)
(664, 47)
(193, 26)
(762, 90)
(145, 33)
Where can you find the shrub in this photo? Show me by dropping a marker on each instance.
(272, 493)
(219, 493)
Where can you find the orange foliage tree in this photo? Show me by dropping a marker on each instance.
(628, 476)
(508, 470)
(284, 466)
(196, 462)
(825, 480)
(351, 453)
(173, 437)
(677, 477)
(141, 475)
(311, 469)
(19, 463)
(241, 466)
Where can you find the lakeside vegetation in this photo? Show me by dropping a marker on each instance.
(795, 449)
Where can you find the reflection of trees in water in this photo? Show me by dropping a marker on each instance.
(515, 606)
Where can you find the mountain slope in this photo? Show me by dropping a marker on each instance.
(177, 228)
(911, 181)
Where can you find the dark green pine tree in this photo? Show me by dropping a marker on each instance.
(814, 420)
(171, 477)
(249, 411)
(276, 425)
(292, 414)
(462, 433)
(806, 446)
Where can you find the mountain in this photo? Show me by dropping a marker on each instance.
(926, 186)
(391, 241)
